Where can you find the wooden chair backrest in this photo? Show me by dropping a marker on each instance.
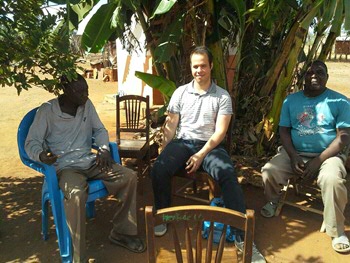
(136, 117)
(184, 215)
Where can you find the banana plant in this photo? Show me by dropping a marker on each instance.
(268, 37)
(338, 20)
(165, 86)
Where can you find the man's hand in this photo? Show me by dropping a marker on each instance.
(297, 164)
(312, 168)
(193, 163)
(104, 160)
(48, 157)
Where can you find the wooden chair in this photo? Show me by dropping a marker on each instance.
(309, 192)
(200, 176)
(191, 217)
(133, 115)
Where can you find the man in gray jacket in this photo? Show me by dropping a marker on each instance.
(61, 135)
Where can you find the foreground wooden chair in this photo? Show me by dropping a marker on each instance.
(187, 216)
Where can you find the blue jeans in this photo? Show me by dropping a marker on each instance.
(217, 163)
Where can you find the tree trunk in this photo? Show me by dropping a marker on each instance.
(283, 83)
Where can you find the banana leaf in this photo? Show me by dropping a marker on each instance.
(63, 2)
(169, 40)
(163, 7)
(347, 15)
(165, 86)
(99, 28)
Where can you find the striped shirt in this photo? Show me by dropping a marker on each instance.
(198, 112)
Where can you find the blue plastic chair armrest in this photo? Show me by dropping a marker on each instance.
(114, 152)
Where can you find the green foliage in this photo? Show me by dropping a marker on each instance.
(95, 37)
(347, 15)
(170, 39)
(33, 51)
(165, 86)
(268, 37)
(163, 7)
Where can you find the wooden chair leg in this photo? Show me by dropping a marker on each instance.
(214, 189)
(282, 200)
(139, 177)
(148, 164)
(298, 191)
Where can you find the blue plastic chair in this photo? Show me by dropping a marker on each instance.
(51, 192)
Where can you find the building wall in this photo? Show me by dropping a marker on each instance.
(139, 60)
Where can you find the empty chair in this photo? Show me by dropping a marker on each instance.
(191, 218)
(133, 130)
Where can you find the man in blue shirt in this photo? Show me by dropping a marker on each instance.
(315, 133)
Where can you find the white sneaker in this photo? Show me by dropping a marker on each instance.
(160, 230)
(257, 257)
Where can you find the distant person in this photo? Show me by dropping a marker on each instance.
(199, 114)
(315, 134)
(61, 135)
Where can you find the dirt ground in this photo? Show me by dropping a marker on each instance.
(291, 237)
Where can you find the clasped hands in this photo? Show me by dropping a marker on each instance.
(103, 159)
(306, 170)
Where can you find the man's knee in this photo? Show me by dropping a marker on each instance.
(331, 181)
(132, 175)
(159, 171)
(267, 171)
(332, 173)
(226, 177)
(74, 193)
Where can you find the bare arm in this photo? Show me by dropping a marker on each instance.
(170, 127)
(221, 126)
(341, 141)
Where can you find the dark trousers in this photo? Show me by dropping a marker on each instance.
(217, 164)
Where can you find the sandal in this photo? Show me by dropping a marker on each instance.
(341, 244)
(131, 243)
(269, 209)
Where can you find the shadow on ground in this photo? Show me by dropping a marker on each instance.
(280, 239)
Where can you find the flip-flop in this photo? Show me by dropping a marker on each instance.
(133, 244)
(268, 210)
(341, 240)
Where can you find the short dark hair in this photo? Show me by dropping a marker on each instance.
(320, 63)
(78, 82)
(203, 50)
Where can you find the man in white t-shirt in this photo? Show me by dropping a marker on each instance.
(199, 114)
